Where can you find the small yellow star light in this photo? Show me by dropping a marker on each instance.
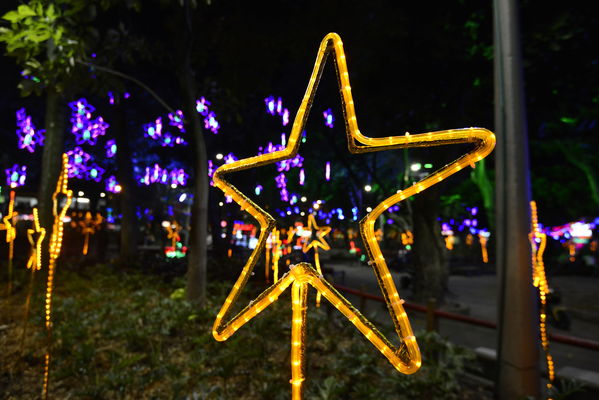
(59, 212)
(538, 241)
(36, 237)
(9, 222)
(89, 226)
(173, 230)
(405, 357)
(319, 242)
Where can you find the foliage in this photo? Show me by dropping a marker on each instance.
(120, 334)
(42, 41)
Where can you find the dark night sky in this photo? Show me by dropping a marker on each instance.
(413, 66)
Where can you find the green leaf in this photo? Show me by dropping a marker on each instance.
(50, 12)
(11, 16)
(25, 11)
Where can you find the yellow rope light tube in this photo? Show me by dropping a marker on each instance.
(538, 242)
(483, 247)
(276, 254)
(9, 223)
(55, 247)
(36, 237)
(321, 232)
(406, 357)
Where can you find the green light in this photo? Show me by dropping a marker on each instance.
(568, 120)
(428, 166)
(476, 82)
(408, 247)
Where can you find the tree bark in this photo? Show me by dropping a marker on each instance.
(124, 175)
(430, 255)
(197, 255)
(196, 261)
(55, 124)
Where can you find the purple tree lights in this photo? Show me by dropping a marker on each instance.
(110, 148)
(28, 136)
(112, 185)
(328, 118)
(16, 176)
(210, 122)
(327, 171)
(176, 120)
(275, 107)
(81, 168)
(202, 106)
(94, 173)
(86, 129)
(155, 130)
(157, 174)
(78, 163)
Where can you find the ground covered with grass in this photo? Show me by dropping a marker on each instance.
(122, 334)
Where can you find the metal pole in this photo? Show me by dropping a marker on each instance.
(518, 352)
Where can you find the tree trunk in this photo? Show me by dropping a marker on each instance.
(124, 175)
(196, 259)
(55, 124)
(429, 252)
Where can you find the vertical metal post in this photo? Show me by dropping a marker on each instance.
(518, 352)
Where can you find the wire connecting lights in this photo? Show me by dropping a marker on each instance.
(538, 241)
(405, 357)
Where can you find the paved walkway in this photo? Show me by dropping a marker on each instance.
(477, 295)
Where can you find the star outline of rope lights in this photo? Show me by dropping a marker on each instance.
(406, 358)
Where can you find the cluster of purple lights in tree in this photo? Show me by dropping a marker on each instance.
(275, 107)
(16, 176)
(154, 130)
(110, 148)
(210, 122)
(28, 136)
(86, 129)
(176, 120)
(82, 167)
(112, 185)
(157, 174)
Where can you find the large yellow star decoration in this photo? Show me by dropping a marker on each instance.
(319, 242)
(406, 356)
(64, 195)
(9, 222)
